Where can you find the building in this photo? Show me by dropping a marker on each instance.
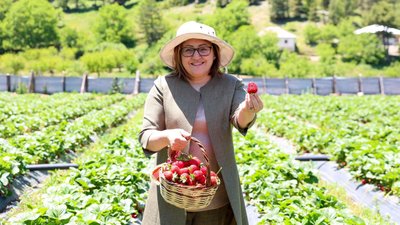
(287, 40)
(391, 41)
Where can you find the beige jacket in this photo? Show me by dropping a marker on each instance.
(173, 103)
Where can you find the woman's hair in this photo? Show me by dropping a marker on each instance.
(180, 71)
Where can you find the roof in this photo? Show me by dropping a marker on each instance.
(281, 33)
(374, 28)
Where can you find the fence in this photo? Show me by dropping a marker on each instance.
(273, 86)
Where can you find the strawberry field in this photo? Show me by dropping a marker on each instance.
(109, 186)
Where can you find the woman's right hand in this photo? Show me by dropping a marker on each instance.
(178, 139)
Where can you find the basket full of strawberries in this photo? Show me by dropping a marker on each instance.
(185, 181)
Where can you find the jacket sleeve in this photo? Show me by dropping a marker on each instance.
(238, 97)
(153, 116)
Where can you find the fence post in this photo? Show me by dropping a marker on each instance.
(314, 86)
(334, 84)
(360, 85)
(286, 85)
(136, 88)
(264, 85)
(8, 81)
(84, 85)
(63, 82)
(32, 83)
(381, 86)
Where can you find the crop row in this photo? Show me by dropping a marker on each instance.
(346, 129)
(14, 104)
(109, 187)
(52, 142)
(53, 114)
(284, 190)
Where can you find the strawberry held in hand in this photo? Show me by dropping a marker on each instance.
(252, 88)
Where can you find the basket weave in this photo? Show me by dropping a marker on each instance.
(189, 197)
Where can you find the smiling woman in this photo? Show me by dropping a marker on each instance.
(198, 100)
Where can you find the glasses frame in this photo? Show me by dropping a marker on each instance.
(196, 50)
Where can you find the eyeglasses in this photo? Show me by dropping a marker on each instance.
(189, 51)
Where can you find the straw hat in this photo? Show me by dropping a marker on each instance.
(195, 30)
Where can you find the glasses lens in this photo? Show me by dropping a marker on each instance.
(187, 52)
(204, 51)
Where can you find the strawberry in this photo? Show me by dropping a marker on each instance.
(168, 175)
(179, 164)
(204, 170)
(252, 88)
(195, 161)
(184, 178)
(198, 175)
(214, 180)
(183, 170)
(193, 168)
(175, 169)
(202, 180)
(364, 181)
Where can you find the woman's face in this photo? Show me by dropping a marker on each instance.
(197, 57)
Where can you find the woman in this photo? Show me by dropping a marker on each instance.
(198, 100)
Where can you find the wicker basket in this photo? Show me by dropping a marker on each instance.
(185, 196)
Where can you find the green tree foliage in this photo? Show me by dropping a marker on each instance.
(297, 9)
(150, 21)
(293, 65)
(63, 4)
(337, 11)
(328, 34)
(326, 53)
(11, 63)
(258, 65)
(341, 9)
(364, 48)
(246, 43)
(229, 19)
(4, 7)
(113, 25)
(279, 9)
(382, 13)
(70, 38)
(261, 53)
(30, 24)
(105, 59)
(311, 33)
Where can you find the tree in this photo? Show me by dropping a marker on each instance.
(246, 43)
(363, 48)
(30, 24)
(229, 19)
(279, 9)
(382, 13)
(69, 38)
(4, 7)
(340, 9)
(113, 25)
(12, 63)
(150, 21)
(336, 11)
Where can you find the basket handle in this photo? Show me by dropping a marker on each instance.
(207, 161)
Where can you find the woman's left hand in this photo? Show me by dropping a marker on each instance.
(253, 103)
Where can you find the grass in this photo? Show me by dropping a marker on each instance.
(260, 15)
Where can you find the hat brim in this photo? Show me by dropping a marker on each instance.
(167, 52)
